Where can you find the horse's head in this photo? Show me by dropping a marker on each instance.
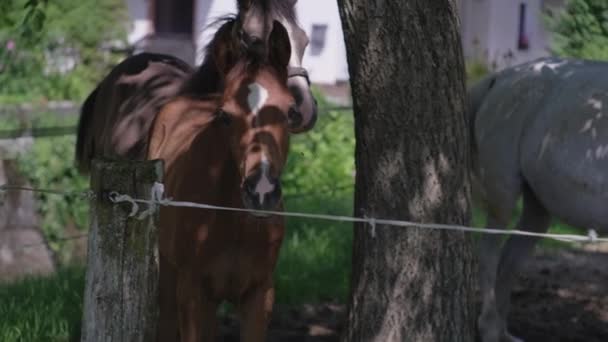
(256, 18)
(256, 106)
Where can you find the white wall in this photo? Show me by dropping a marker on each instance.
(490, 30)
(207, 11)
(330, 65)
(141, 25)
(474, 22)
(504, 29)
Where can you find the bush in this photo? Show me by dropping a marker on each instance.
(49, 165)
(63, 59)
(323, 158)
(580, 30)
(315, 258)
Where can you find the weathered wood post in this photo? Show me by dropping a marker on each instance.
(121, 291)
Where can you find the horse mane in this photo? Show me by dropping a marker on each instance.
(206, 79)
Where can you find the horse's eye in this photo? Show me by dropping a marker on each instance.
(223, 117)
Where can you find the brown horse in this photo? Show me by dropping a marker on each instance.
(116, 117)
(224, 149)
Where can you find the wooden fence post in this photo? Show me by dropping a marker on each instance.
(121, 290)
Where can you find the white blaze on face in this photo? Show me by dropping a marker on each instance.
(264, 185)
(258, 95)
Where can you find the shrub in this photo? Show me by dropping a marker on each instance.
(62, 59)
(580, 29)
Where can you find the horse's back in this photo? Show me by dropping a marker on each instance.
(497, 125)
(116, 117)
(564, 152)
(543, 123)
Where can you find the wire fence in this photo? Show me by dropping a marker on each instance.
(158, 199)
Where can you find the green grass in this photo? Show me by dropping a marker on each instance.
(42, 309)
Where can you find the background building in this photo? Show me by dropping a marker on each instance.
(497, 33)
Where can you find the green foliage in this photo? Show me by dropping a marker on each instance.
(580, 30)
(63, 58)
(42, 309)
(323, 158)
(49, 165)
(319, 178)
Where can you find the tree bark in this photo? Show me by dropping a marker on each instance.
(412, 153)
(121, 287)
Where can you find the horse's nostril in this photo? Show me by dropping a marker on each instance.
(261, 192)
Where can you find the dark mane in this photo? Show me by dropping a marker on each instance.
(206, 78)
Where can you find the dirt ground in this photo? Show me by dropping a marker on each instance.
(562, 296)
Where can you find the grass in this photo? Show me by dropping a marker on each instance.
(314, 266)
(42, 309)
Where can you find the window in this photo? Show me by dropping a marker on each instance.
(317, 39)
(523, 43)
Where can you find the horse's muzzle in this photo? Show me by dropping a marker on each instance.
(261, 191)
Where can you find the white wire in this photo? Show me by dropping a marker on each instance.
(157, 199)
(591, 237)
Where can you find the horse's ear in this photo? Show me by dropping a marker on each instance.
(279, 48)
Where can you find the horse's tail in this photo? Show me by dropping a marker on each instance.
(84, 142)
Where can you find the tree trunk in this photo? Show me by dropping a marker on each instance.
(412, 153)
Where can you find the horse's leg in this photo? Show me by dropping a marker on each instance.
(209, 319)
(189, 305)
(500, 209)
(517, 249)
(167, 323)
(255, 311)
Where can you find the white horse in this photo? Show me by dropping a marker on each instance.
(540, 130)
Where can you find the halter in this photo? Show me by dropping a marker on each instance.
(298, 72)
